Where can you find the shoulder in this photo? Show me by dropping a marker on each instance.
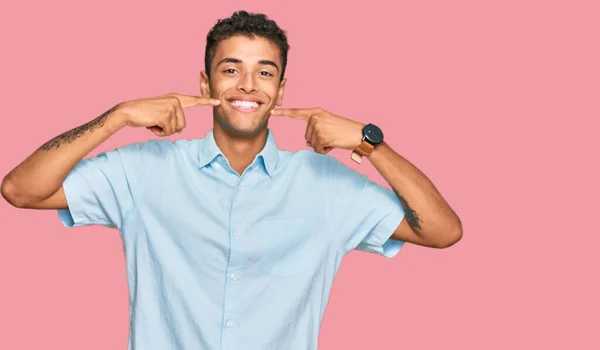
(155, 148)
(327, 167)
(139, 156)
(306, 160)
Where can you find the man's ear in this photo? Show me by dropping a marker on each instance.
(279, 100)
(204, 84)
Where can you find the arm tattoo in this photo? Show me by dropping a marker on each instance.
(77, 132)
(411, 216)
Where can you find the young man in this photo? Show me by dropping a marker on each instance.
(230, 242)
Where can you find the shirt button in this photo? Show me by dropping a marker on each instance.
(235, 234)
(229, 324)
(233, 276)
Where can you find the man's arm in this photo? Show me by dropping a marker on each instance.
(36, 183)
(430, 221)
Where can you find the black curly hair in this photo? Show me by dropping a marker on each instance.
(249, 25)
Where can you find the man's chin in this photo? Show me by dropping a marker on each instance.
(238, 127)
(245, 130)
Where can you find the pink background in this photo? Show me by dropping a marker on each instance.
(497, 102)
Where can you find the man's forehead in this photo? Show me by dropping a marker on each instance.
(246, 49)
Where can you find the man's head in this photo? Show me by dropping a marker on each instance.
(245, 61)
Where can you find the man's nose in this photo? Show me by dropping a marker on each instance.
(247, 83)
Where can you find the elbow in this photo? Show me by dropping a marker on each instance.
(450, 238)
(11, 194)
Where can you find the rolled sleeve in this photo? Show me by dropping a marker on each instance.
(378, 226)
(366, 212)
(74, 215)
(100, 190)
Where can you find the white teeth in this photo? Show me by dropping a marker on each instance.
(245, 104)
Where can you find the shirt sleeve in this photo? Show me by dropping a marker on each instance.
(367, 213)
(101, 190)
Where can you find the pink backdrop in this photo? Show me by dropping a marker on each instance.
(497, 102)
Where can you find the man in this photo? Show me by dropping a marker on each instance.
(230, 242)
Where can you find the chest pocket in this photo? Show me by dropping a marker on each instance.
(289, 247)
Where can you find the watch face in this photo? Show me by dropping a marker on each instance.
(373, 134)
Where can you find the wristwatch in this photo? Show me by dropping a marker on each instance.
(372, 137)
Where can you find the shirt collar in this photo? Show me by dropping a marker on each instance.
(208, 151)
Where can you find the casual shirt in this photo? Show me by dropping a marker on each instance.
(219, 260)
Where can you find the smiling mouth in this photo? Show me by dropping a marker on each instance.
(245, 106)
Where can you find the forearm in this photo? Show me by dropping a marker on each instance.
(427, 212)
(42, 173)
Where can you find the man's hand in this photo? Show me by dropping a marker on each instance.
(326, 131)
(37, 181)
(163, 115)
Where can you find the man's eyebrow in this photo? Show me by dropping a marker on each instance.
(237, 60)
(229, 60)
(269, 63)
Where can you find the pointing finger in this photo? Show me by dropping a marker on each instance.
(297, 113)
(192, 101)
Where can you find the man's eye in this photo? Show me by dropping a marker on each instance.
(266, 73)
(232, 71)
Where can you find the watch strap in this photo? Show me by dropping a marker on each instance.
(363, 149)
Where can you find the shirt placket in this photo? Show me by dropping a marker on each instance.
(235, 277)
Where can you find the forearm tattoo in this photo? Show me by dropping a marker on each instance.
(77, 132)
(411, 216)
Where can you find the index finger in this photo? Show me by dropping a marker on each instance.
(297, 113)
(191, 101)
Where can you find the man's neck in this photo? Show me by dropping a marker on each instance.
(239, 151)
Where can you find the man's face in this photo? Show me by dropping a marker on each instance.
(245, 76)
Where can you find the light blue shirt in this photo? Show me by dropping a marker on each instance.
(216, 260)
